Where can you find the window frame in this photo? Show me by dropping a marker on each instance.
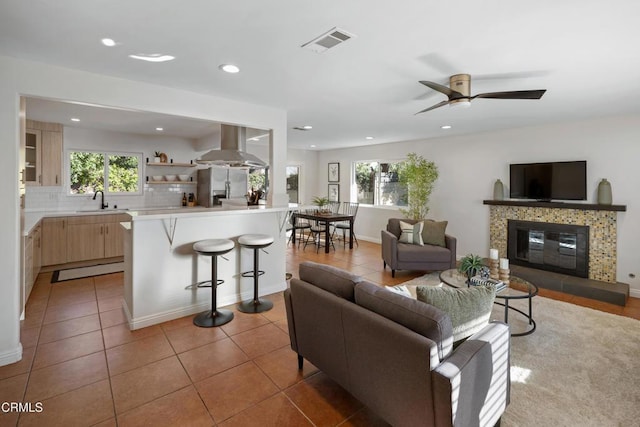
(106, 154)
(354, 184)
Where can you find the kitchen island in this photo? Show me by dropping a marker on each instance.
(161, 266)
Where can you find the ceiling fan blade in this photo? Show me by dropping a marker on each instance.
(433, 107)
(442, 89)
(516, 94)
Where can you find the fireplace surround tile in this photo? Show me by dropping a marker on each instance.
(602, 232)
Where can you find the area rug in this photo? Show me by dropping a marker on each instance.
(581, 367)
(81, 272)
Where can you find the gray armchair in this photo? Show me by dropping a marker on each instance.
(405, 256)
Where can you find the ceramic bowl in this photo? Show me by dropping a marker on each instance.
(183, 177)
(157, 178)
(170, 177)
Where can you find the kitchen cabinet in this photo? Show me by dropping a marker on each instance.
(32, 259)
(82, 238)
(84, 241)
(51, 158)
(113, 239)
(54, 241)
(43, 153)
(33, 157)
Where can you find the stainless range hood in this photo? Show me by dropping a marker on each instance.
(232, 152)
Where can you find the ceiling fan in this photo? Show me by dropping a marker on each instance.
(458, 92)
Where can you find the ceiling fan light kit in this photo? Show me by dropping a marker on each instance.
(459, 93)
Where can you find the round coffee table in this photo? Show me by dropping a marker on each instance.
(518, 289)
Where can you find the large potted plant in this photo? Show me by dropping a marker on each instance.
(419, 175)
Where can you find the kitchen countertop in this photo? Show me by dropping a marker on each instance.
(31, 218)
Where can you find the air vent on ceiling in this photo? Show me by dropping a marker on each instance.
(330, 39)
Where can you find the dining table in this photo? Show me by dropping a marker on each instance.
(327, 218)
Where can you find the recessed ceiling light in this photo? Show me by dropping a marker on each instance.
(159, 129)
(75, 119)
(307, 127)
(108, 42)
(313, 146)
(368, 137)
(154, 57)
(254, 139)
(229, 68)
(445, 127)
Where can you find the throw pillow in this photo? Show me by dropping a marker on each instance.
(411, 233)
(433, 232)
(399, 289)
(469, 308)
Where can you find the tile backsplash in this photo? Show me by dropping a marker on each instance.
(153, 195)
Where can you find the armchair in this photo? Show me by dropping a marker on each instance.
(405, 256)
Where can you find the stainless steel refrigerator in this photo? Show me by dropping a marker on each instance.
(217, 183)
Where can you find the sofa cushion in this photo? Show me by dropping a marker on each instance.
(414, 253)
(411, 233)
(423, 319)
(469, 308)
(335, 280)
(433, 232)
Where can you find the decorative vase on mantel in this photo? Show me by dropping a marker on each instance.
(604, 192)
(498, 190)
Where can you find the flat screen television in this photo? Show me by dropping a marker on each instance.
(547, 181)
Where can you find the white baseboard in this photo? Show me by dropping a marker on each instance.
(634, 293)
(165, 316)
(11, 356)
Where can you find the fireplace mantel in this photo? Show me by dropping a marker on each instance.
(557, 205)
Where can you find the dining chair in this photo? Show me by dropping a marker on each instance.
(316, 230)
(301, 224)
(348, 208)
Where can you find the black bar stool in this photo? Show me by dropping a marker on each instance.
(255, 242)
(213, 248)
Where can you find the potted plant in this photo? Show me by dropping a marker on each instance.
(320, 202)
(471, 265)
(419, 175)
(156, 157)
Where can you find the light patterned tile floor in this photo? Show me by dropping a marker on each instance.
(85, 366)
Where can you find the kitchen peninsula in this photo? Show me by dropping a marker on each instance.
(161, 266)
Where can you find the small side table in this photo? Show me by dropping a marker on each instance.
(518, 289)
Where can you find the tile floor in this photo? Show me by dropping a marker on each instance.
(86, 367)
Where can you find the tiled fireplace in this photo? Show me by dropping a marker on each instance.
(601, 223)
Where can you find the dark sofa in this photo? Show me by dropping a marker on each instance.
(395, 354)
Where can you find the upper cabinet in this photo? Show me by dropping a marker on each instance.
(43, 154)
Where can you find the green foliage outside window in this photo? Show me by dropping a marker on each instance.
(379, 184)
(87, 172)
(123, 174)
(89, 169)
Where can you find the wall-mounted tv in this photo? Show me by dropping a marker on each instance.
(546, 181)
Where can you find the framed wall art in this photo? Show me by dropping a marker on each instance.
(334, 172)
(334, 192)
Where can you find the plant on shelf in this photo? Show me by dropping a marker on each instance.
(156, 157)
(470, 265)
(419, 175)
(320, 202)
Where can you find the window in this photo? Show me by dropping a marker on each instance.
(378, 183)
(293, 182)
(91, 171)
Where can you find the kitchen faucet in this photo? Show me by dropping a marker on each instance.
(102, 203)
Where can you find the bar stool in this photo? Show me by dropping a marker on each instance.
(213, 248)
(255, 242)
